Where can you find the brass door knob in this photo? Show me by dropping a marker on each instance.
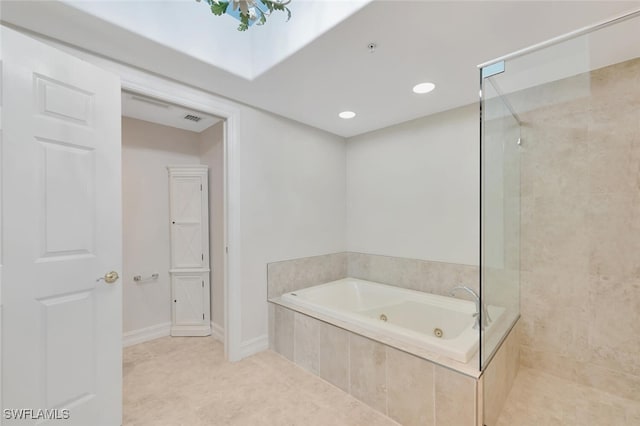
(110, 277)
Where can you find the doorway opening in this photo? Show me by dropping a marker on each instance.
(157, 134)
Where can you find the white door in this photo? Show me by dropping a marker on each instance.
(61, 231)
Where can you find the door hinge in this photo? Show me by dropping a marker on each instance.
(200, 187)
(202, 283)
(202, 317)
(202, 256)
(226, 249)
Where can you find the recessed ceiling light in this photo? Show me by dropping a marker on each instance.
(423, 88)
(347, 114)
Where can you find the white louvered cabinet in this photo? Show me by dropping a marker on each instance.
(189, 217)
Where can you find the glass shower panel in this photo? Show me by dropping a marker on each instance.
(500, 217)
(560, 224)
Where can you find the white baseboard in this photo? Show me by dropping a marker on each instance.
(253, 346)
(145, 334)
(190, 330)
(217, 332)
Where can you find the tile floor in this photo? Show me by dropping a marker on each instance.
(539, 399)
(186, 381)
(177, 381)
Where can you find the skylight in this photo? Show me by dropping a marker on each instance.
(189, 27)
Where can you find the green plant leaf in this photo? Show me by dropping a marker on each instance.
(219, 8)
(275, 5)
(244, 22)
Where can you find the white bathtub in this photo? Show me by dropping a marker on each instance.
(408, 316)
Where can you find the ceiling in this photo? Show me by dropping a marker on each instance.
(217, 42)
(164, 113)
(417, 41)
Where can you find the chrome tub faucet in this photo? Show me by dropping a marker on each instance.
(486, 319)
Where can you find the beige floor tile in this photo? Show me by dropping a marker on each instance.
(177, 381)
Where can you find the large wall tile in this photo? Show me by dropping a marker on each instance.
(616, 382)
(557, 364)
(334, 355)
(290, 275)
(283, 325)
(554, 236)
(271, 318)
(455, 398)
(616, 87)
(613, 156)
(306, 338)
(614, 234)
(555, 314)
(499, 376)
(367, 365)
(414, 274)
(614, 323)
(554, 160)
(410, 386)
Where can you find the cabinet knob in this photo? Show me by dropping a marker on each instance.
(174, 222)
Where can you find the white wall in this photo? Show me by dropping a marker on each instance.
(292, 202)
(212, 154)
(412, 189)
(147, 150)
(415, 185)
(292, 196)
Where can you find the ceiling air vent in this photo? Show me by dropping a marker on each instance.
(192, 118)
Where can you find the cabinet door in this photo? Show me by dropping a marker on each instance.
(188, 300)
(186, 222)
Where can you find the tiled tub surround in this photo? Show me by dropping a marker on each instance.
(498, 378)
(411, 385)
(294, 274)
(420, 275)
(404, 315)
(408, 388)
(414, 274)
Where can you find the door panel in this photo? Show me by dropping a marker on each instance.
(187, 245)
(61, 231)
(187, 199)
(69, 363)
(186, 218)
(188, 298)
(67, 193)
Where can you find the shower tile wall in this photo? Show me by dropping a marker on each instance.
(580, 240)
